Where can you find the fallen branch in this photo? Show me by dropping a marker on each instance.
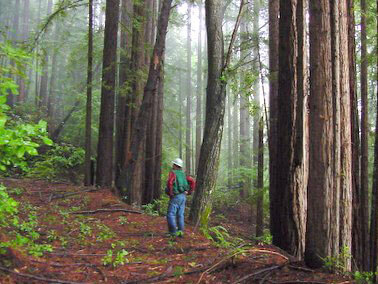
(298, 281)
(271, 268)
(301, 268)
(106, 211)
(52, 197)
(270, 252)
(38, 278)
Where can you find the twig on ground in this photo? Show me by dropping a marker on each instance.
(271, 268)
(73, 254)
(106, 211)
(38, 277)
(52, 197)
(301, 268)
(298, 281)
(270, 252)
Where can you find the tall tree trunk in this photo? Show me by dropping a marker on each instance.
(260, 183)
(229, 140)
(45, 73)
(374, 205)
(180, 98)
(335, 50)
(235, 134)
(321, 172)
(133, 103)
(345, 137)
(199, 89)
(37, 98)
(356, 188)
(25, 34)
(188, 92)
(159, 136)
(245, 153)
(364, 207)
(104, 171)
(14, 36)
(125, 53)
(156, 64)
(88, 113)
(273, 110)
(215, 108)
(289, 199)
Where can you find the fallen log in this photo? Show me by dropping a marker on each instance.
(106, 211)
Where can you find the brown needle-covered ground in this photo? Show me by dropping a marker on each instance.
(85, 246)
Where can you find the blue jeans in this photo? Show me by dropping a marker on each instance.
(175, 214)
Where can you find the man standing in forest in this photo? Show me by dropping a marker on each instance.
(179, 186)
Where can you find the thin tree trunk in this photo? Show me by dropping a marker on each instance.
(215, 108)
(229, 140)
(104, 171)
(14, 36)
(159, 136)
(180, 114)
(37, 98)
(199, 90)
(321, 172)
(364, 207)
(88, 113)
(45, 73)
(345, 138)
(260, 183)
(356, 188)
(273, 110)
(335, 49)
(188, 92)
(22, 96)
(374, 206)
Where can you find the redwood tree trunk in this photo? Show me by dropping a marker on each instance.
(88, 113)
(215, 108)
(356, 188)
(321, 172)
(364, 206)
(104, 171)
(188, 93)
(345, 137)
(273, 111)
(139, 131)
(199, 90)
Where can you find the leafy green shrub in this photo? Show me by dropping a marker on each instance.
(18, 139)
(60, 162)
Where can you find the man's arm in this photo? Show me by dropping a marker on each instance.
(192, 184)
(170, 181)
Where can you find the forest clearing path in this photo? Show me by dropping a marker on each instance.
(113, 243)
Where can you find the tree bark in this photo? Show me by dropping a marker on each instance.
(321, 173)
(273, 110)
(374, 206)
(260, 183)
(124, 81)
(289, 199)
(215, 108)
(188, 92)
(156, 64)
(88, 113)
(22, 96)
(364, 206)
(345, 137)
(199, 89)
(104, 171)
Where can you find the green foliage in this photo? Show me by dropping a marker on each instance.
(149, 209)
(60, 162)
(22, 233)
(364, 277)
(17, 139)
(115, 257)
(266, 238)
(338, 263)
(158, 207)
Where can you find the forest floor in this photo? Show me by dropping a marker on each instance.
(110, 242)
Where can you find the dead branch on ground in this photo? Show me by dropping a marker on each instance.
(38, 277)
(106, 211)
